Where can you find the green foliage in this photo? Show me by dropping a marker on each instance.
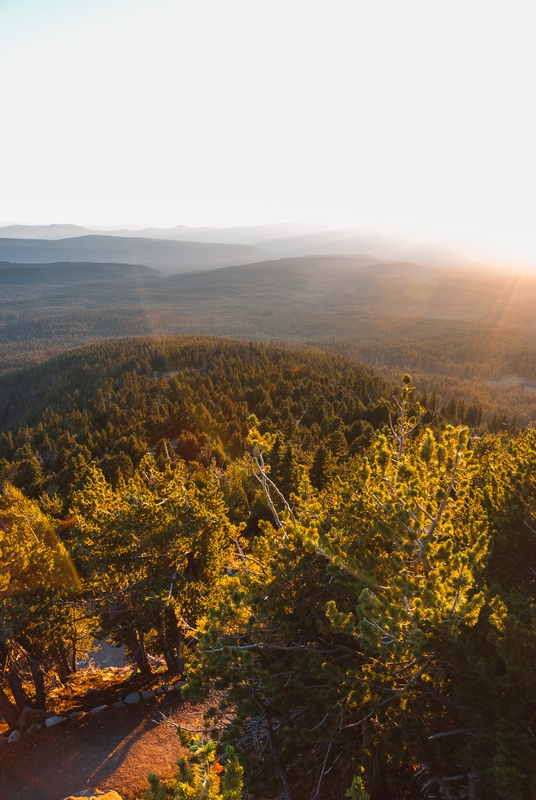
(351, 582)
(202, 775)
(376, 601)
(357, 790)
(156, 791)
(187, 396)
(38, 589)
(160, 544)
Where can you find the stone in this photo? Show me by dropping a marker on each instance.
(133, 697)
(98, 709)
(76, 714)
(119, 704)
(34, 728)
(29, 718)
(159, 691)
(178, 686)
(147, 694)
(54, 721)
(14, 737)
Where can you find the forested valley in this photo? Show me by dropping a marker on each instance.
(465, 335)
(338, 563)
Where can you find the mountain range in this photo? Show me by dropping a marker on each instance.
(166, 256)
(279, 240)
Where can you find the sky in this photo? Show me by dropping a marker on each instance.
(417, 115)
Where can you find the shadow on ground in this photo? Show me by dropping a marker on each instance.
(112, 750)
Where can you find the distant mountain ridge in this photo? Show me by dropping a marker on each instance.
(63, 274)
(277, 240)
(42, 231)
(243, 234)
(166, 256)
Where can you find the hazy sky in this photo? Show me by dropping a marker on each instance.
(414, 114)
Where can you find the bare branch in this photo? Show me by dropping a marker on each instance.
(457, 732)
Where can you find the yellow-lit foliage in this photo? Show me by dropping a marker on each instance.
(31, 554)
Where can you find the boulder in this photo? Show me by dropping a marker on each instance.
(30, 717)
(147, 694)
(98, 709)
(54, 721)
(133, 697)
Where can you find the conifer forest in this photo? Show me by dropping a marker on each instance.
(267, 400)
(339, 569)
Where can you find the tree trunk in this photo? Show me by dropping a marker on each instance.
(39, 681)
(137, 648)
(34, 662)
(472, 783)
(173, 663)
(73, 650)
(168, 655)
(278, 762)
(8, 710)
(15, 684)
(144, 666)
(60, 659)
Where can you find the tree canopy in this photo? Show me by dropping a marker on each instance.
(349, 574)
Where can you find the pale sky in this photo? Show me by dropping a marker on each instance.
(419, 115)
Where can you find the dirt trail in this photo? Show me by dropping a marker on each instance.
(111, 750)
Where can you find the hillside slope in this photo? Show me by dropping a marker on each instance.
(170, 257)
(450, 325)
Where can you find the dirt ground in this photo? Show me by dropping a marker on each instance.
(114, 749)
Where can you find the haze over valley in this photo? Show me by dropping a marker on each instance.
(267, 400)
(450, 325)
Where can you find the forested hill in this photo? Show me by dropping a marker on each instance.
(112, 401)
(168, 256)
(468, 338)
(350, 576)
(57, 277)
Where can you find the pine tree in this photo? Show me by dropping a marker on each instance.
(37, 581)
(202, 775)
(357, 603)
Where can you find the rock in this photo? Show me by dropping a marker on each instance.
(94, 794)
(166, 688)
(98, 709)
(34, 728)
(76, 714)
(178, 686)
(54, 721)
(119, 704)
(159, 691)
(147, 694)
(14, 737)
(133, 697)
(29, 718)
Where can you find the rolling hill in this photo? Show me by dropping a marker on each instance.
(447, 325)
(166, 256)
